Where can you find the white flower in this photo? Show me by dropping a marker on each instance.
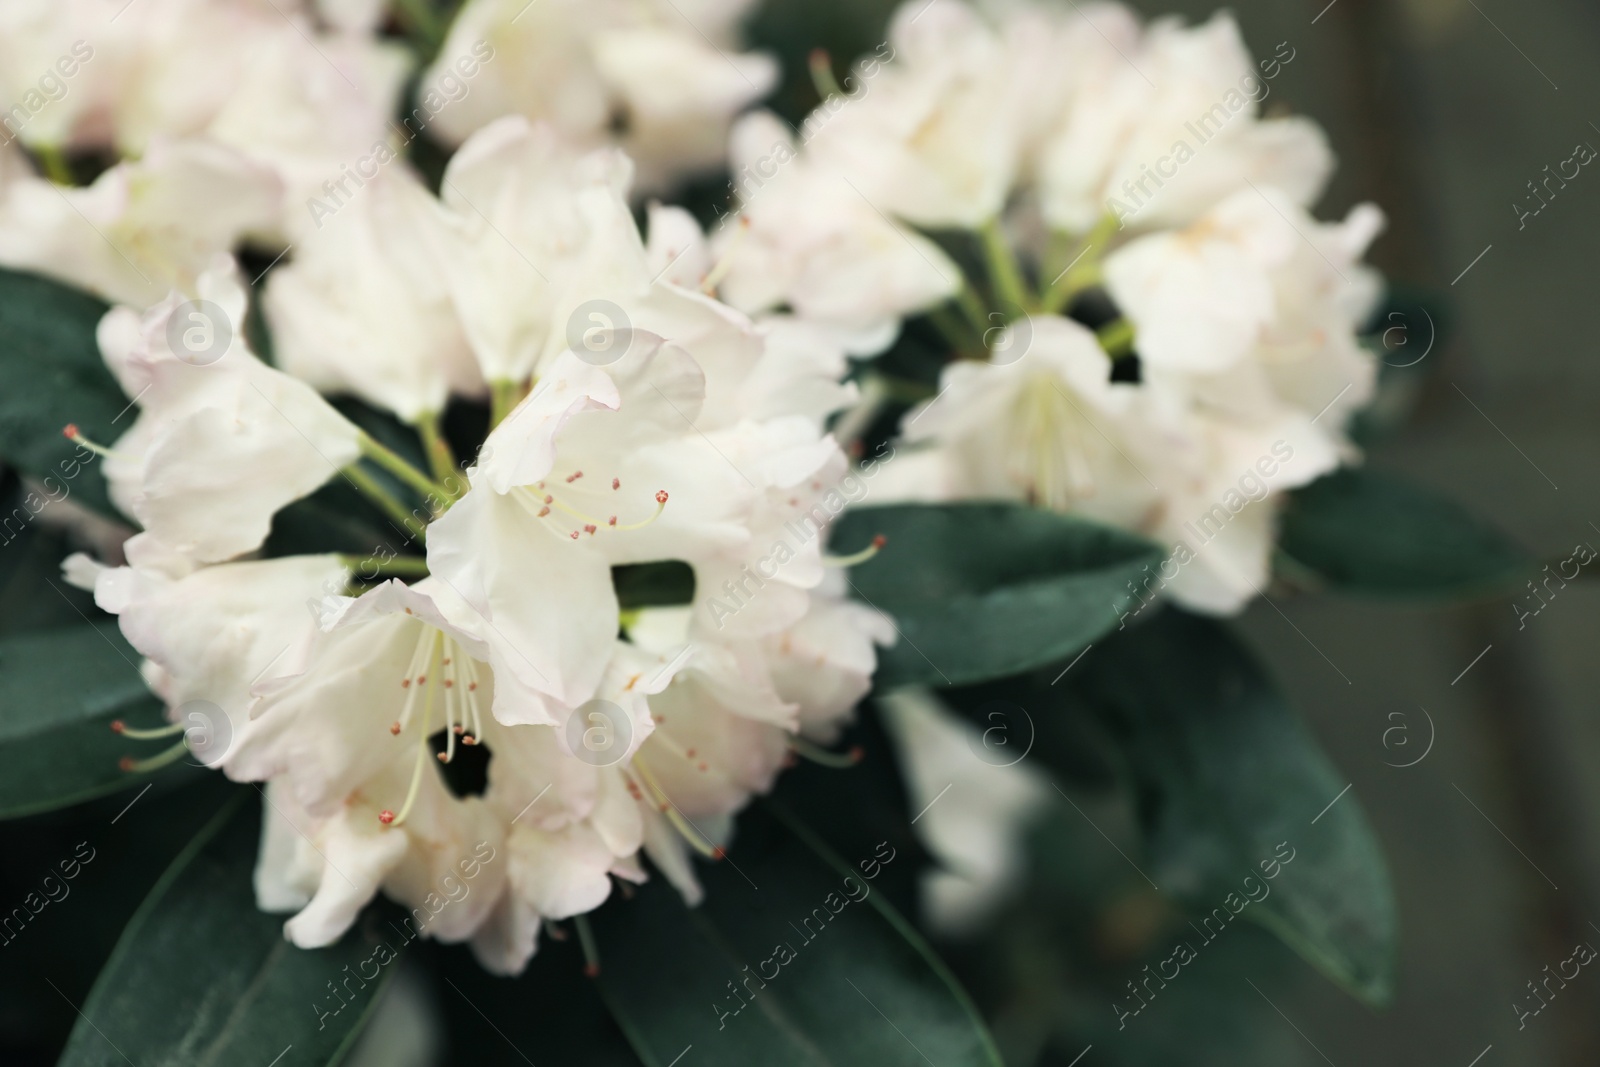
(1257, 279)
(318, 109)
(976, 833)
(1050, 429)
(402, 665)
(667, 75)
(362, 307)
(1158, 457)
(575, 480)
(1162, 125)
(222, 441)
(57, 72)
(208, 632)
(935, 137)
(143, 228)
(806, 237)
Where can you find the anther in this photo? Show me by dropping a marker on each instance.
(589, 528)
(543, 512)
(394, 728)
(386, 816)
(574, 476)
(661, 496)
(616, 483)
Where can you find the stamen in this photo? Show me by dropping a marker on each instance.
(591, 954)
(713, 279)
(821, 756)
(161, 759)
(675, 817)
(435, 640)
(616, 483)
(120, 727)
(75, 435)
(859, 557)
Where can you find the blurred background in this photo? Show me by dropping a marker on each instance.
(1443, 112)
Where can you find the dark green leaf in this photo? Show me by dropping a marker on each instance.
(983, 591)
(202, 977)
(858, 985)
(653, 585)
(1225, 776)
(1365, 531)
(51, 374)
(59, 691)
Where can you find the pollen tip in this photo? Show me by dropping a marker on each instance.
(544, 511)
(611, 521)
(386, 816)
(661, 496)
(574, 535)
(459, 729)
(879, 541)
(117, 726)
(689, 754)
(394, 728)
(857, 753)
(616, 483)
(719, 853)
(591, 970)
(70, 431)
(125, 763)
(589, 528)
(444, 757)
(703, 766)
(468, 739)
(472, 687)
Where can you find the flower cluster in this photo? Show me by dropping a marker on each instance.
(1161, 338)
(679, 430)
(1188, 328)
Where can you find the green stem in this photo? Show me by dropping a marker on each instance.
(1117, 338)
(971, 305)
(440, 457)
(424, 23)
(398, 467)
(504, 395)
(374, 491)
(55, 164)
(398, 567)
(954, 329)
(1004, 270)
(1084, 269)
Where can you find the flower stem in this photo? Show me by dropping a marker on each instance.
(971, 305)
(55, 164)
(398, 467)
(1083, 270)
(504, 395)
(1117, 338)
(440, 458)
(1004, 270)
(374, 491)
(397, 567)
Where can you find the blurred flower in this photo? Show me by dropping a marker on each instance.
(662, 79)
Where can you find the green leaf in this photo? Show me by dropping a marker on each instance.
(202, 977)
(59, 692)
(983, 591)
(1365, 531)
(1225, 775)
(51, 374)
(858, 985)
